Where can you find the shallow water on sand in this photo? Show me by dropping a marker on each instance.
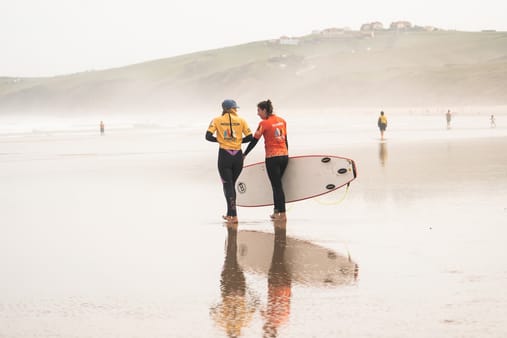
(120, 236)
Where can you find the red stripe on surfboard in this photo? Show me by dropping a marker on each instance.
(300, 156)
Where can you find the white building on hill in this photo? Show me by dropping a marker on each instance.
(372, 26)
(285, 40)
(400, 25)
(331, 32)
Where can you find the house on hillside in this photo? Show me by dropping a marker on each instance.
(285, 40)
(365, 27)
(372, 26)
(430, 28)
(400, 25)
(417, 28)
(332, 32)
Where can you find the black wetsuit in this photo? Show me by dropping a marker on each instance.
(275, 166)
(230, 164)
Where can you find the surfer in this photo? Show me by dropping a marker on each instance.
(229, 129)
(382, 124)
(274, 130)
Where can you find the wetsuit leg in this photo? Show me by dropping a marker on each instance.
(229, 168)
(275, 167)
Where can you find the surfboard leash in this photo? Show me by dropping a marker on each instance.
(320, 201)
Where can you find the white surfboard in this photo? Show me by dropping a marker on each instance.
(306, 263)
(305, 177)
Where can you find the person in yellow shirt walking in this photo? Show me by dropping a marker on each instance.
(382, 124)
(229, 128)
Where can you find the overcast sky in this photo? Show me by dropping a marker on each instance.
(52, 37)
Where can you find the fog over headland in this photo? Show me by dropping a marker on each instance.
(402, 66)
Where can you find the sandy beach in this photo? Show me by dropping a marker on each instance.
(120, 235)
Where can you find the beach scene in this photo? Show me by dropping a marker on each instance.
(111, 203)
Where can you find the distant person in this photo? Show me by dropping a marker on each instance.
(102, 128)
(448, 117)
(492, 121)
(274, 130)
(229, 129)
(382, 124)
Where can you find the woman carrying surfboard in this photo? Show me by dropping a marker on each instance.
(229, 128)
(274, 130)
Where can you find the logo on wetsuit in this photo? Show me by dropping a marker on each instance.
(279, 135)
(228, 135)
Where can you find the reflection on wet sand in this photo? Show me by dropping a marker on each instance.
(382, 153)
(237, 307)
(307, 263)
(279, 284)
(284, 261)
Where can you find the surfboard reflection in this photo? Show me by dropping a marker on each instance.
(307, 263)
(284, 261)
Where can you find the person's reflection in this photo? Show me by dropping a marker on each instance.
(382, 153)
(235, 311)
(279, 284)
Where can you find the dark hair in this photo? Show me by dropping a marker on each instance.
(267, 106)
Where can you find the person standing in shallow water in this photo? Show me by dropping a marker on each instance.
(448, 117)
(229, 129)
(382, 124)
(274, 130)
(102, 128)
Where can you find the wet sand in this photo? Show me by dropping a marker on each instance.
(120, 236)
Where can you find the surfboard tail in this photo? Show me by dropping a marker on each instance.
(354, 168)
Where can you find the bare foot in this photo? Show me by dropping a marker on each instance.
(230, 219)
(278, 216)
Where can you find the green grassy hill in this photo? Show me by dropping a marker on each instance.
(393, 68)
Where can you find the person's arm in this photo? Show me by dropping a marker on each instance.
(251, 145)
(247, 139)
(210, 137)
(286, 140)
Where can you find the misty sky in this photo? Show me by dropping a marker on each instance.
(51, 37)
